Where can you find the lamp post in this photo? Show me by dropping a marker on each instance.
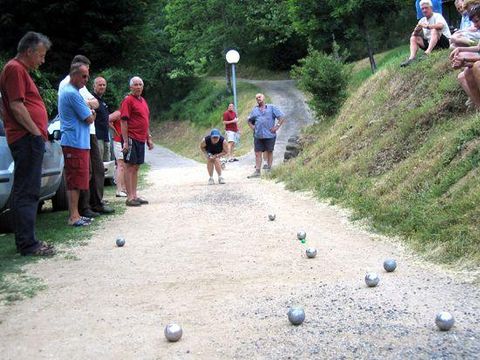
(233, 57)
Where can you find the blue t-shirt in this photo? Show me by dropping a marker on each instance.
(437, 7)
(265, 120)
(73, 112)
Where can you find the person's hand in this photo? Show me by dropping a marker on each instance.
(274, 129)
(458, 62)
(93, 103)
(454, 53)
(125, 147)
(150, 144)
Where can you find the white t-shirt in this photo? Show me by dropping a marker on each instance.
(86, 95)
(436, 18)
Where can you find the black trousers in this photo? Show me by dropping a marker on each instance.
(27, 153)
(92, 198)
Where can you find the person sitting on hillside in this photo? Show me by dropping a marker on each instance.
(469, 59)
(468, 34)
(437, 7)
(214, 146)
(431, 33)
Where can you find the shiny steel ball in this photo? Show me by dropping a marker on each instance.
(372, 279)
(120, 242)
(173, 332)
(389, 265)
(311, 252)
(296, 315)
(271, 217)
(301, 235)
(444, 320)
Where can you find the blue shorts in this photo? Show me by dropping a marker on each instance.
(136, 152)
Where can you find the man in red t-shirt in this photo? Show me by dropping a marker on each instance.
(231, 128)
(26, 122)
(135, 116)
(116, 125)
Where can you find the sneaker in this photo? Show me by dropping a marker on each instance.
(211, 181)
(234, 159)
(105, 209)
(265, 167)
(407, 62)
(221, 180)
(121, 194)
(142, 200)
(133, 202)
(90, 214)
(256, 174)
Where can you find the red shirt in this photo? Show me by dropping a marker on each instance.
(117, 124)
(135, 111)
(229, 116)
(16, 84)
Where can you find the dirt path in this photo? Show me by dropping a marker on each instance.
(208, 258)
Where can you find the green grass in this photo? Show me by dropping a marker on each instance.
(403, 153)
(194, 117)
(15, 283)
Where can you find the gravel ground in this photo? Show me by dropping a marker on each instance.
(208, 258)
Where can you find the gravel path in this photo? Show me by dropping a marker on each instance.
(208, 258)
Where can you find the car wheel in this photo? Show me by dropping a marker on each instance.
(7, 224)
(60, 200)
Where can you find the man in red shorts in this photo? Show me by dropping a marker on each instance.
(26, 121)
(75, 126)
(135, 116)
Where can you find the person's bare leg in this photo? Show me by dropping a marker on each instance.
(415, 42)
(231, 148)
(210, 167)
(120, 176)
(435, 36)
(135, 180)
(129, 181)
(463, 83)
(73, 196)
(471, 76)
(258, 160)
(269, 158)
(218, 167)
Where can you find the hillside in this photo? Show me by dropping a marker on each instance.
(403, 153)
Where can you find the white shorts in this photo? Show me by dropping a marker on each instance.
(232, 136)
(117, 150)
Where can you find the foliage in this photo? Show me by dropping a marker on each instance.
(404, 154)
(325, 78)
(200, 116)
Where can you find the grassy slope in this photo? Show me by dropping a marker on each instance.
(404, 154)
(184, 134)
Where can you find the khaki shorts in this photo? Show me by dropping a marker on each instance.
(117, 150)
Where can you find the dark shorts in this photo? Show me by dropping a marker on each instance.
(443, 43)
(136, 152)
(261, 145)
(77, 168)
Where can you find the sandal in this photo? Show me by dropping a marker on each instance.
(80, 222)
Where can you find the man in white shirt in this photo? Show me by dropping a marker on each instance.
(431, 33)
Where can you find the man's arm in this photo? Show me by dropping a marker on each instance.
(115, 116)
(203, 148)
(250, 124)
(125, 134)
(91, 118)
(149, 141)
(21, 114)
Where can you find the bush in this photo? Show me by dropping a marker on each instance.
(325, 78)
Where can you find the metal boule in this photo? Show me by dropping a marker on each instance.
(389, 265)
(120, 241)
(311, 252)
(372, 279)
(271, 217)
(301, 235)
(173, 332)
(444, 320)
(296, 315)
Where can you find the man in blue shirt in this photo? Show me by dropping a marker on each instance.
(263, 122)
(75, 127)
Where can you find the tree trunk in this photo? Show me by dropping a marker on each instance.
(373, 64)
